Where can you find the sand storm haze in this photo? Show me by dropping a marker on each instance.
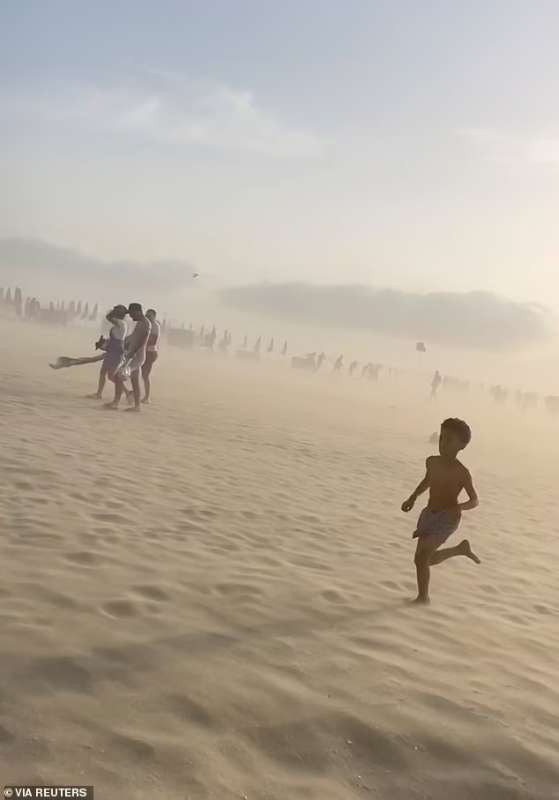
(209, 600)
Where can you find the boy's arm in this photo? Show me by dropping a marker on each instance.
(473, 500)
(408, 504)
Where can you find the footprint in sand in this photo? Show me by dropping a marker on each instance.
(238, 589)
(61, 673)
(542, 609)
(392, 585)
(187, 709)
(132, 747)
(151, 593)
(24, 486)
(333, 596)
(312, 518)
(5, 736)
(120, 609)
(84, 558)
(115, 519)
(190, 525)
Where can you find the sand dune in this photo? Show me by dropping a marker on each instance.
(208, 600)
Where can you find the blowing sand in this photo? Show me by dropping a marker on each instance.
(207, 600)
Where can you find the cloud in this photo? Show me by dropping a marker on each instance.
(41, 267)
(166, 108)
(536, 149)
(477, 319)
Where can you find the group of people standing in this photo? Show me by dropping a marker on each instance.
(125, 356)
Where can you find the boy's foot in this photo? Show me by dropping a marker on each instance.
(466, 550)
(137, 409)
(93, 397)
(421, 601)
(146, 401)
(110, 407)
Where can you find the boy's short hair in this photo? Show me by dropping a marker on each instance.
(460, 428)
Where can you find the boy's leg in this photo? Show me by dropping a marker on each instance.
(462, 549)
(426, 547)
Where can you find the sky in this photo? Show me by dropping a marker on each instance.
(393, 144)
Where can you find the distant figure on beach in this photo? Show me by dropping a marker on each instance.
(338, 364)
(224, 342)
(435, 383)
(320, 361)
(526, 400)
(371, 371)
(18, 302)
(445, 478)
(499, 394)
(152, 352)
(284, 350)
(135, 356)
(352, 367)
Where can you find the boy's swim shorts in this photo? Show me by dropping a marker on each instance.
(440, 523)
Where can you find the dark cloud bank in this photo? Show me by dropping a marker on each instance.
(475, 319)
(33, 263)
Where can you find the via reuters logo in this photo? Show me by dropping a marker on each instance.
(8, 792)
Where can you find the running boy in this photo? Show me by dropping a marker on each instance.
(445, 478)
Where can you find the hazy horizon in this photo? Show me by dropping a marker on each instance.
(361, 323)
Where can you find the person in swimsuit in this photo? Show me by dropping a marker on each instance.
(152, 352)
(134, 357)
(114, 348)
(445, 478)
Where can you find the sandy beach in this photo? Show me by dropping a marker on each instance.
(207, 601)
